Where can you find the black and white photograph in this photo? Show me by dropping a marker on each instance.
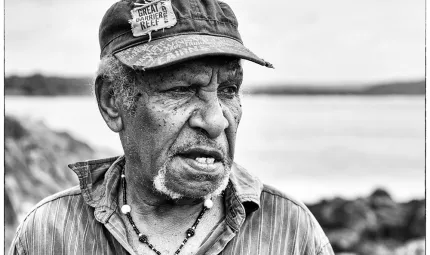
(234, 127)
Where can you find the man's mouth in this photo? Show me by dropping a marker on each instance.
(205, 160)
(202, 159)
(203, 156)
(196, 171)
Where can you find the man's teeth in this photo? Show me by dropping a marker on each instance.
(205, 160)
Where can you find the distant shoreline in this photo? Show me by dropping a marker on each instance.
(40, 85)
(394, 88)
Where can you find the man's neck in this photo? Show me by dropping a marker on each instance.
(166, 225)
(165, 220)
(159, 206)
(145, 201)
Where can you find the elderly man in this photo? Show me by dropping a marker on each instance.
(168, 83)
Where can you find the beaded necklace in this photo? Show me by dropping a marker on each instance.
(126, 209)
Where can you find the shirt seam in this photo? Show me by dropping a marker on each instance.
(102, 161)
(307, 213)
(247, 197)
(322, 247)
(93, 162)
(21, 246)
(239, 168)
(231, 221)
(289, 199)
(249, 186)
(48, 201)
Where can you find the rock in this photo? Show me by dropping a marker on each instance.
(36, 161)
(414, 247)
(372, 225)
(345, 222)
(343, 239)
(381, 247)
(416, 218)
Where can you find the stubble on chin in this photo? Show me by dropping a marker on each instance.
(160, 184)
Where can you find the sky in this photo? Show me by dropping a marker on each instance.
(336, 42)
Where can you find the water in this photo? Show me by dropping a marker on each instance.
(309, 147)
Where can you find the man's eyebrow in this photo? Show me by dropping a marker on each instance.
(234, 78)
(235, 73)
(181, 77)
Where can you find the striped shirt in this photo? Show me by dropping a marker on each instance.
(86, 220)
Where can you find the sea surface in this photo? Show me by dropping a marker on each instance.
(308, 147)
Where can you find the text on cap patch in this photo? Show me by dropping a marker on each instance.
(152, 17)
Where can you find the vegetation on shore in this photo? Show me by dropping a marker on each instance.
(40, 85)
(393, 88)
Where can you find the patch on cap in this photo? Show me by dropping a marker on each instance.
(152, 16)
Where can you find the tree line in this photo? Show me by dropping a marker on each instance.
(40, 85)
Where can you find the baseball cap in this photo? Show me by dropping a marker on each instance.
(149, 34)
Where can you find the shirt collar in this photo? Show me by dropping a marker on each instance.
(99, 183)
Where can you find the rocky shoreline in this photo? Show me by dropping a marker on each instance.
(36, 161)
(373, 225)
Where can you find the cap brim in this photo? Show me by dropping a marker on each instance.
(171, 50)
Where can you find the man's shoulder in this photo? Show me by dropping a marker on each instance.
(249, 186)
(56, 218)
(286, 206)
(74, 191)
(292, 215)
(51, 209)
(270, 192)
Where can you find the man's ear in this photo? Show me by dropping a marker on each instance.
(108, 104)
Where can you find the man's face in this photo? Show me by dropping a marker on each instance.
(181, 136)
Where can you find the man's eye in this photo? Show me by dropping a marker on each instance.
(230, 90)
(181, 89)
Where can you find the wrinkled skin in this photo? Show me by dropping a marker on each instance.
(191, 105)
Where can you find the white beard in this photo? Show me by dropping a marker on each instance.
(160, 185)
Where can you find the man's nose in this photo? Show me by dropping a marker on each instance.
(209, 117)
